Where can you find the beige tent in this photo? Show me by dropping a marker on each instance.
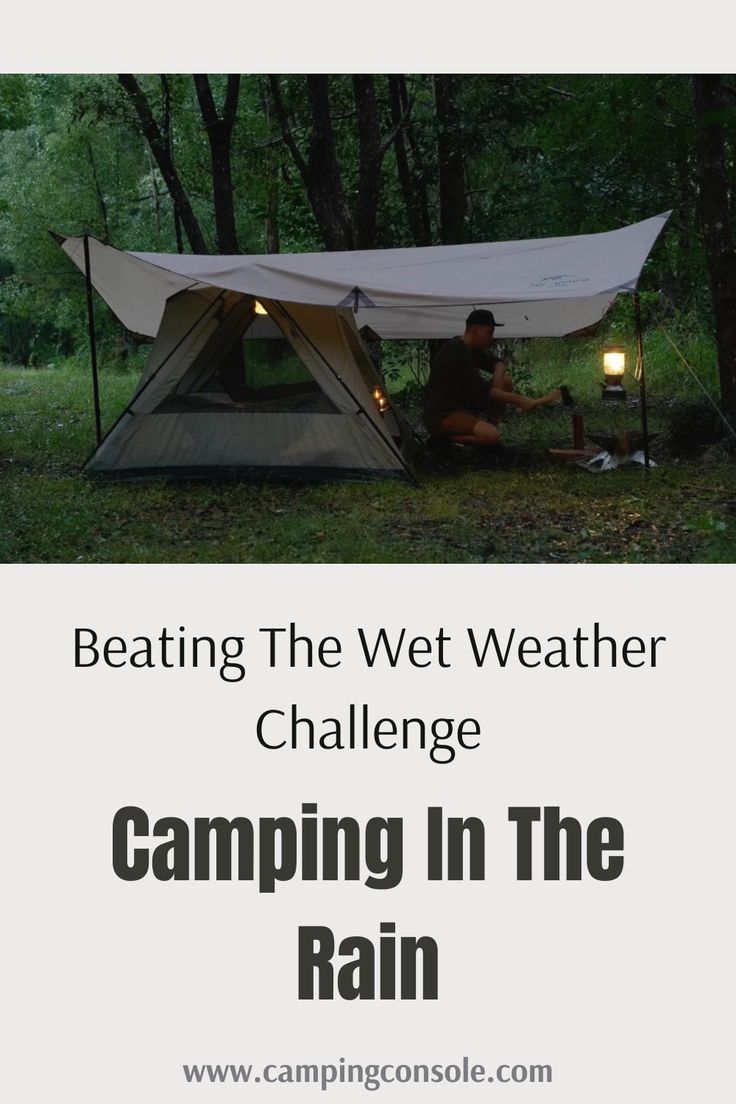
(257, 362)
(306, 400)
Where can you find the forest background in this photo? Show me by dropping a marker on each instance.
(250, 164)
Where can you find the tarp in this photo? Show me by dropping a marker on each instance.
(540, 287)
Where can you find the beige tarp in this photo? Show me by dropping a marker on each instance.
(540, 287)
(198, 308)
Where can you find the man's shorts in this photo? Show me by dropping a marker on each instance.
(459, 422)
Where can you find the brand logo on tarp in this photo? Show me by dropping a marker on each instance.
(563, 279)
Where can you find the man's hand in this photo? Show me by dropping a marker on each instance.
(526, 404)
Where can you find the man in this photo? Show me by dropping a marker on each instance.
(458, 401)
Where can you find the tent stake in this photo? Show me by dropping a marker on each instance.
(92, 339)
(642, 379)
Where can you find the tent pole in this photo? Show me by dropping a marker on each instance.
(92, 340)
(642, 379)
(152, 377)
(361, 409)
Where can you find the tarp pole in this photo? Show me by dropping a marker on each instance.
(92, 339)
(642, 379)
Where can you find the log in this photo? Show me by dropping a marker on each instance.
(572, 454)
(553, 396)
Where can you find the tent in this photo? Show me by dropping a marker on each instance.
(257, 362)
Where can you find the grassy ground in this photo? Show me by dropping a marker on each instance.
(462, 512)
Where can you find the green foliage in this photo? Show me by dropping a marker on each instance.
(465, 513)
(694, 425)
(544, 155)
(15, 104)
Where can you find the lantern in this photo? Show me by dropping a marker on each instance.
(614, 366)
(382, 403)
(259, 308)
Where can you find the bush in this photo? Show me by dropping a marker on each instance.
(694, 426)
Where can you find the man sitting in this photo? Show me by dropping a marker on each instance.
(461, 403)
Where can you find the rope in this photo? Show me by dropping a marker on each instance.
(702, 387)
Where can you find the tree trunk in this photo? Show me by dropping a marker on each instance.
(450, 160)
(411, 182)
(370, 159)
(155, 196)
(152, 133)
(219, 129)
(717, 228)
(328, 197)
(273, 244)
(319, 171)
(168, 139)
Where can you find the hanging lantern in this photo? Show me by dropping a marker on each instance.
(259, 308)
(382, 403)
(614, 366)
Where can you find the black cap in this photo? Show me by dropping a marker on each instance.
(481, 318)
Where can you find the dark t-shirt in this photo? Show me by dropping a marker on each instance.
(455, 382)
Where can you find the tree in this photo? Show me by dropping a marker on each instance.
(219, 129)
(161, 150)
(273, 243)
(370, 158)
(450, 160)
(346, 162)
(409, 163)
(716, 216)
(347, 218)
(319, 169)
(166, 128)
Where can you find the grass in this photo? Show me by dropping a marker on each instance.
(462, 513)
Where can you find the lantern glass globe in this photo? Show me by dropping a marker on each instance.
(614, 361)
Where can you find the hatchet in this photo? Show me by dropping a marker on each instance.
(559, 393)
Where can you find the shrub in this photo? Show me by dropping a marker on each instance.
(695, 425)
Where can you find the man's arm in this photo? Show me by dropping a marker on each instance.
(497, 394)
(501, 389)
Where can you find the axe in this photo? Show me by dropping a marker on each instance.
(559, 393)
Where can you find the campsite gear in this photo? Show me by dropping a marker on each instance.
(614, 366)
(548, 287)
(318, 418)
(559, 393)
(92, 342)
(617, 449)
(579, 450)
(569, 454)
(552, 396)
